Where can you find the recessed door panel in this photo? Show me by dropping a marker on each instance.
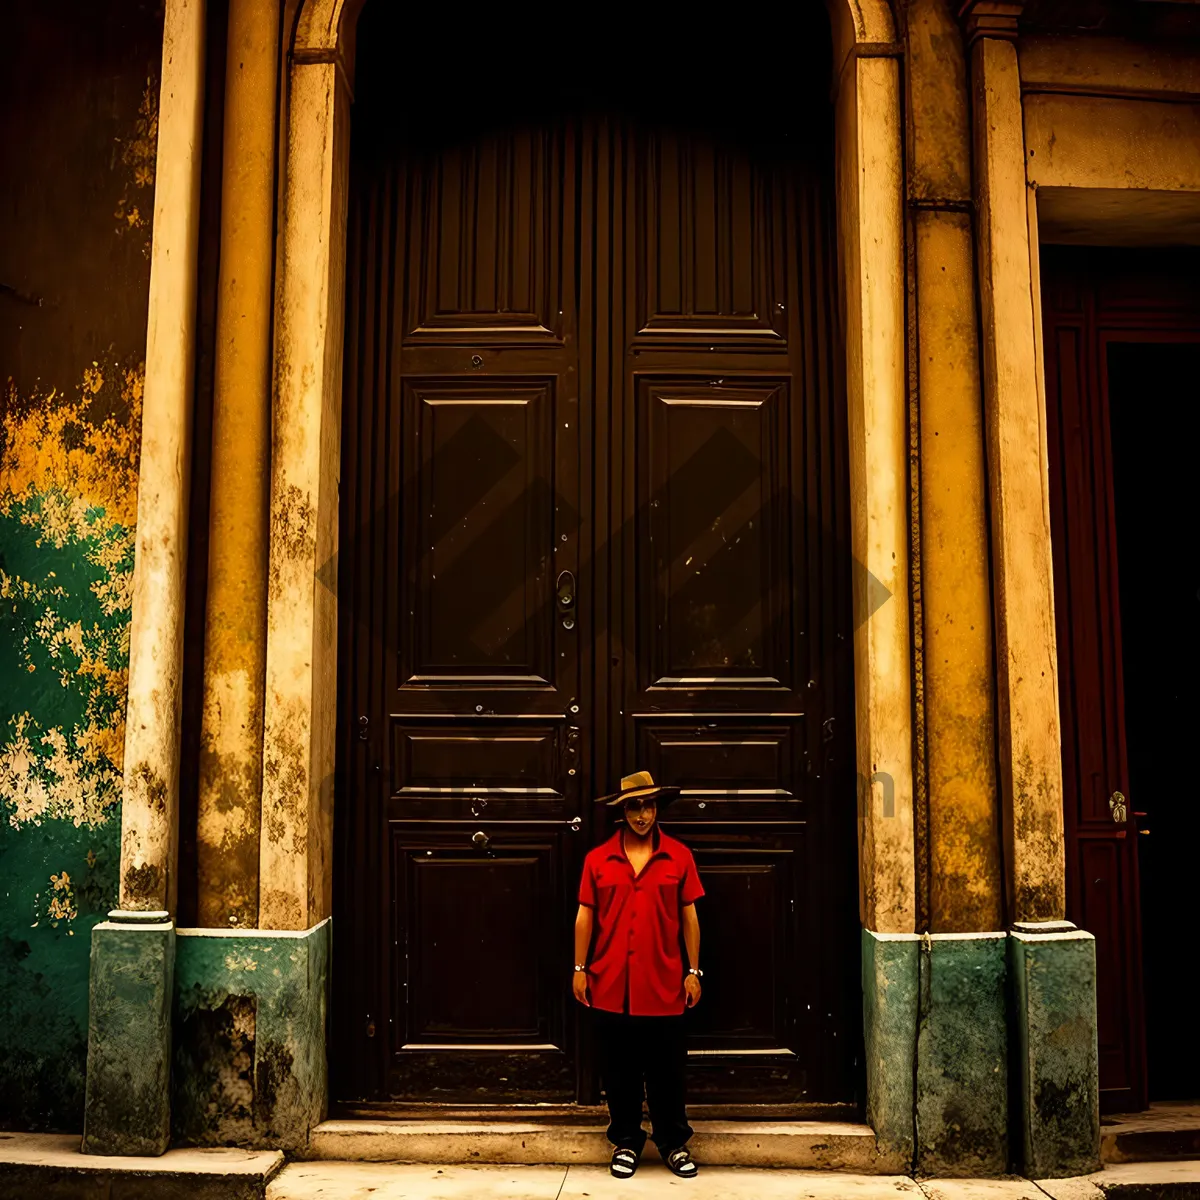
(713, 547)
(478, 568)
(476, 1002)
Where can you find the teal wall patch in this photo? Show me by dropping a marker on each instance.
(890, 1033)
(962, 1049)
(1054, 1018)
(249, 1043)
(129, 1039)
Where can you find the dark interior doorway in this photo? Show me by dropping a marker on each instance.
(1122, 340)
(595, 516)
(1154, 406)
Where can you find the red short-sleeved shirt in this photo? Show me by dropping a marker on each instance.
(636, 966)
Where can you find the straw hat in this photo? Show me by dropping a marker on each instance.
(640, 785)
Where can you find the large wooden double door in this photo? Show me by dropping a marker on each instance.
(593, 519)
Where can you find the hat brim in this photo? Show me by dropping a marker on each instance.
(663, 795)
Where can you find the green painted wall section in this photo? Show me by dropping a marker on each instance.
(78, 90)
(249, 1037)
(129, 1040)
(890, 993)
(962, 1055)
(1054, 1025)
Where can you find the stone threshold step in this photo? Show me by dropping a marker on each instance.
(51, 1166)
(396, 1181)
(810, 1145)
(1177, 1180)
(1163, 1131)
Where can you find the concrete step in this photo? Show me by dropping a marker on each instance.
(1177, 1180)
(811, 1145)
(1163, 1131)
(51, 1166)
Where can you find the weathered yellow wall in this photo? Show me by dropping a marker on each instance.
(1112, 133)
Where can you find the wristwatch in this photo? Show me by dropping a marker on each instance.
(581, 966)
(695, 971)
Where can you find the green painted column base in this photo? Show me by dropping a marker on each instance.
(127, 1106)
(890, 992)
(249, 1057)
(1053, 969)
(936, 1040)
(962, 1055)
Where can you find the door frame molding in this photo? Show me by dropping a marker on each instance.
(299, 739)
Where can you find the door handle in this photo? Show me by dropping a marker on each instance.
(565, 588)
(571, 749)
(480, 840)
(1116, 806)
(574, 824)
(564, 594)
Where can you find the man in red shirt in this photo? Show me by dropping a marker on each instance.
(638, 892)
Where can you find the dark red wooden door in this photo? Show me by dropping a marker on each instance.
(594, 518)
(1097, 307)
(728, 646)
(462, 533)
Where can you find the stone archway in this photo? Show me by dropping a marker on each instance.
(299, 734)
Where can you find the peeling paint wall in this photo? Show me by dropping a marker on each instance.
(78, 91)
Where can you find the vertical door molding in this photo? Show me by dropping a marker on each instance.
(300, 697)
(871, 237)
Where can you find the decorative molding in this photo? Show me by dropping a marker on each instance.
(989, 18)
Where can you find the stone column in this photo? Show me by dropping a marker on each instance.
(1051, 963)
(129, 1032)
(961, 1039)
(1026, 654)
(235, 629)
(871, 231)
(300, 700)
(870, 207)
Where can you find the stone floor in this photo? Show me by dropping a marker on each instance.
(390, 1181)
(51, 1167)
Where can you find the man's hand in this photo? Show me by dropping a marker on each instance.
(579, 985)
(691, 988)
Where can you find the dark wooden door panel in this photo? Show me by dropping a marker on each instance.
(479, 1003)
(480, 578)
(711, 577)
(728, 581)
(463, 450)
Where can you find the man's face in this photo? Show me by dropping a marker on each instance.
(640, 814)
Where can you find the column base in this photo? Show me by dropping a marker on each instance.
(1054, 1025)
(127, 1106)
(962, 1056)
(890, 993)
(250, 1065)
(937, 1050)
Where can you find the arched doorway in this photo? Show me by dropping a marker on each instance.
(594, 514)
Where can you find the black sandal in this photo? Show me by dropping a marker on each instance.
(681, 1163)
(624, 1163)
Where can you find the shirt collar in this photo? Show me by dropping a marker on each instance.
(616, 844)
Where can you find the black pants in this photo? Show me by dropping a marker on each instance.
(644, 1054)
